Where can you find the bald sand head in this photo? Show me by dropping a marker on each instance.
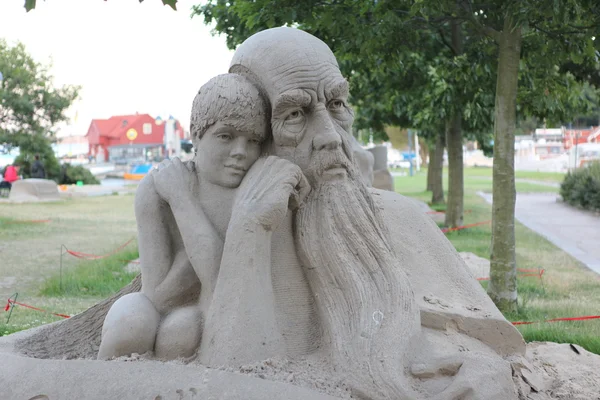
(268, 55)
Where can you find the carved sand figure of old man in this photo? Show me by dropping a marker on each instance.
(381, 290)
(356, 280)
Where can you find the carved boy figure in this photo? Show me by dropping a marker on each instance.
(182, 211)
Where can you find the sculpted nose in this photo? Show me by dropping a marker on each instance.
(327, 138)
(238, 150)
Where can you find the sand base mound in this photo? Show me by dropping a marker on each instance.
(34, 190)
(28, 378)
(478, 266)
(553, 371)
(550, 371)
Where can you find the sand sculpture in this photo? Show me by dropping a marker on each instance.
(182, 211)
(364, 160)
(382, 178)
(33, 190)
(283, 276)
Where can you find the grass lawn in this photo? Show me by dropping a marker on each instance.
(568, 290)
(556, 177)
(30, 259)
(30, 255)
(483, 172)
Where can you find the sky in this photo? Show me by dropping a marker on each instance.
(127, 57)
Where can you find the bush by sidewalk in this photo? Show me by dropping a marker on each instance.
(582, 187)
(70, 174)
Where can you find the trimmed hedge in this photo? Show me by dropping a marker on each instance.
(70, 174)
(582, 187)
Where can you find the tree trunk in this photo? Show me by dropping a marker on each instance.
(502, 287)
(436, 166)
(454, 143)
(429, 169)
(76, 337)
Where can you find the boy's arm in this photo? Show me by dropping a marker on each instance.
(166, 272)
(177, 183)
(241, 324)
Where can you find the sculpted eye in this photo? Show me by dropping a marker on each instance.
(294, 116)
(335, 105)
(255, 141)
(224, 137)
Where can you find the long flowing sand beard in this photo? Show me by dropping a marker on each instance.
(364, 298)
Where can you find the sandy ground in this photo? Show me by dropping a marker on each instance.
(550, 371)
(558, 372)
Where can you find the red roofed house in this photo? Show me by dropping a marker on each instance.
(127, 138)
(581, 136)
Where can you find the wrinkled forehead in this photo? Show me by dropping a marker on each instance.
(316, 76)
(281, 59)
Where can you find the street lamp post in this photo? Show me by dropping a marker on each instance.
(577, 136)
(410, 147)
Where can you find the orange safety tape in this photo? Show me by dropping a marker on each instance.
(87, 256)
(12, 303)
(30, 221)
(446, 230)
(444, 212)
(558, 319)
(539, 274)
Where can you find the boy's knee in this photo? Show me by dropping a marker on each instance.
(129, 327)
(179, 334)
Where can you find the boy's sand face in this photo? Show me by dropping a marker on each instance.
(225, 153)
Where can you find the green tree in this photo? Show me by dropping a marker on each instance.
(533, 39)
(30, 107)
(30, 4)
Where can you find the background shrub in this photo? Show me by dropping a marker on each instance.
(582, 187)
(70, 174)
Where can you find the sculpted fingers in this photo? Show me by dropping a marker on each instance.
(460, 388)
(176, 162)
(190, 166)
(303, 188)
(300, 190)
(163, 164)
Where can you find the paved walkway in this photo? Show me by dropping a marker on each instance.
(576, 232)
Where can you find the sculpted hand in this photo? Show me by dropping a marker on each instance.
(474, 376)
(271, 186)
(174, 179)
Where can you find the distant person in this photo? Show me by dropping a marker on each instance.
(37, 169)
(11, 174)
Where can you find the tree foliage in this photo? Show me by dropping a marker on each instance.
(539, 43)
(30, 107)
(30, 4)
(29, 102)
(403, 68)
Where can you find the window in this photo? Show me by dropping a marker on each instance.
(147, 128)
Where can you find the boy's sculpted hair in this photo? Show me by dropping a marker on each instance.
(232, 99)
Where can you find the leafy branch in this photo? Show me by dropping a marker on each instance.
(30, 4)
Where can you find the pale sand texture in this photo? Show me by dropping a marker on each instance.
(478, 266)
(550, 371)
(25, 378)
(558, 372)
